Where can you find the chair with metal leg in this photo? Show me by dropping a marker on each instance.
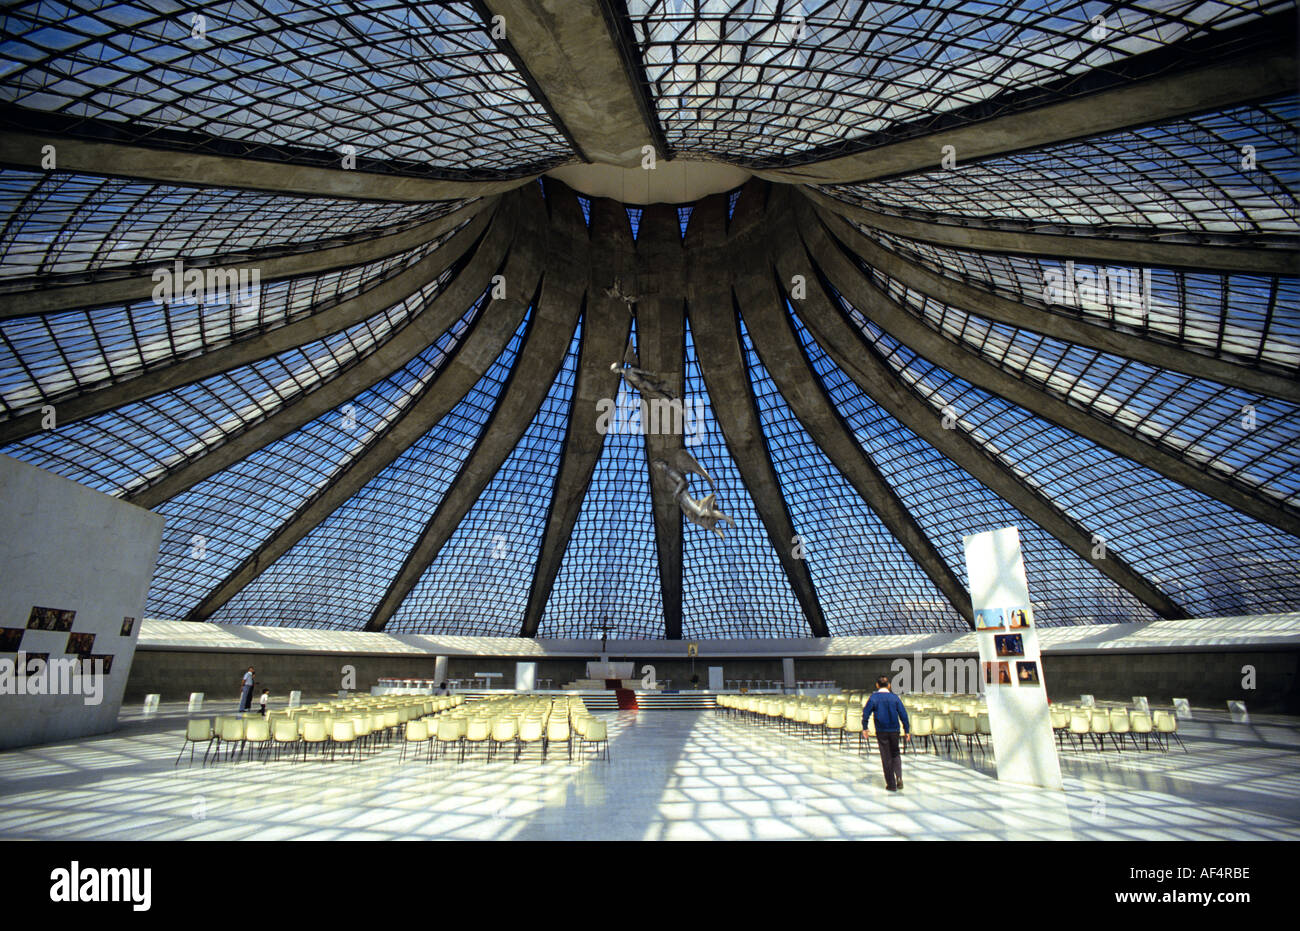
(197, 732)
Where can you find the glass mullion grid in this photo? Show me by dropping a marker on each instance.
(168, 222)
(336, 574)
(866, 582)
(405, 83)
(479, 583)
(734, 586)
(1090, 374)
(223, 406)
(243, 505)
(949, 504)
(53, 335)
(1208, 557)
(1109, 181)
(724, 75)
(610, 570)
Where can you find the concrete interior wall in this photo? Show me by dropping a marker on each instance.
(1206, 679)
(69, 548)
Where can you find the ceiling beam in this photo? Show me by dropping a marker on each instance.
(712, 315)
(331, 316)
(24, 149)
(484, 344)
(969, 365)
(567, 49)
(1040, 318)
(1227, 253)
(45, 294)
(1189, 77)
(606, 326)
(768, 324)
(661, 346)
(858, 359)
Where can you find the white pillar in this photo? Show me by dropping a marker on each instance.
(1015, 688)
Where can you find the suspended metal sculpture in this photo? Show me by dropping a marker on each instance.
(700, 511)
(703, 511)
(647, 384)
(617, 293)
(675, 472)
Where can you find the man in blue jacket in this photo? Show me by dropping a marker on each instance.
(889, 711)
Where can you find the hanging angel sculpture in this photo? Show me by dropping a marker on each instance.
(700, 511)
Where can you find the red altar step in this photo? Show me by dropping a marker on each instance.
(626, 699)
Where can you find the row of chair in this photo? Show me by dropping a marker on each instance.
(840, 718)
(517, 723)
(1120, 725)
(361, 724)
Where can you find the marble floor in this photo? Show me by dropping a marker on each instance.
(673, 775)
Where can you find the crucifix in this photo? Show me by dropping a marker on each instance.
(604, 634)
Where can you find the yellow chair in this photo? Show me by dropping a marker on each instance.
(597, 737)
(343, 733)
(557, 731)
(197, 732)
(448, 734)
(257, 733)
(505, 730)
(284, 733)
(1167, 724)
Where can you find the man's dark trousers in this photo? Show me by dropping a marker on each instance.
(890, 759)
(245, 698)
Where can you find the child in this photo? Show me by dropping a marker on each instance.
(266, 696)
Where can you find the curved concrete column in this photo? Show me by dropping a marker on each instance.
(486, 341)
(851, 352)
(1223, 253)
(606, 325)
(769, 329)
(1040, 319)
(116, 286)
(339, 315)
(712, 316)
(550, 331)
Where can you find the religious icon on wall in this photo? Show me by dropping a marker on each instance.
(989, 619)
(10, 638)
(50, 619)
(128, 625)
(1020, 617)
(1009, 645)
(80, 644)
(1027, 673)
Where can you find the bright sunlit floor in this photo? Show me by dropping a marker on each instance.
(673, 775)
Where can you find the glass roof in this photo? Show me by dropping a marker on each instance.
(243, 421)
(770, 81)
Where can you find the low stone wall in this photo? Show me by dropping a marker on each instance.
(1206, 679)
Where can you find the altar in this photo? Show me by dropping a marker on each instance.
(605, 670)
